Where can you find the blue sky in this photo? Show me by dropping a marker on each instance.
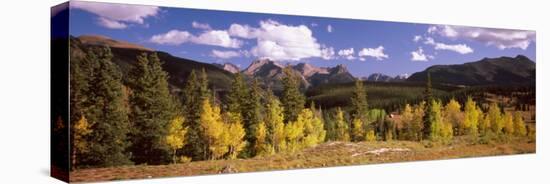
(219, 36)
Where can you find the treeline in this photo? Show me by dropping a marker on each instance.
(134, 119)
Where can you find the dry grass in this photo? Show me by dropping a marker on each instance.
(324, 155)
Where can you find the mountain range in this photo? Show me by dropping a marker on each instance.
(518, 70)
(272, 72)
(488, 71)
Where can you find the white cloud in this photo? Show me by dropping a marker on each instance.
(279, 41)
(419, 55)
(116, 15)
(224, 54)
(274, 40)
(199, 25)
(243, 31)
(217, 38)
(377, 53)
(347, 53)
(329, 28)
(211, 37)
(500, 38)
(172, 37)
(327, 53)
(460, 48)
(111, 24)
(417, 38)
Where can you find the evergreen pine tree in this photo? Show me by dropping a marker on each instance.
(427, 120)
(107, 112)
(152, 109)
(292, 99)
(252, 112)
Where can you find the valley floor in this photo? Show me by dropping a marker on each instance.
(324, 155)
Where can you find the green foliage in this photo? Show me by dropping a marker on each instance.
(237, 95)
(193, 96)
(428, 118)
(81, 130)
(292, 99)
(359, 105)
(152, 108)
(104, 107)
(341, 126)
(176, 136)
(252, 111)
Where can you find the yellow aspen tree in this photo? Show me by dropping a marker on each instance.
(213, 126)
(175, 138)
(342, 128)
(274, 122)
(453, 115)
(314, 131)
(519, 125)
(441, 129)
(235, 134)
(357, 131)
(81, 129)
(495, 118)
(262, 147)
(471, 117)
(370, 136)
(417, 123)
(407, 123)
(485, 124)
(508, 122)
(294, 132)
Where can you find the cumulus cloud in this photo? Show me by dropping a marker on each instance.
(172, 37)
(111, 24)
(417, 38)
(377, 53)
(327, 53)
(500, 38)
(460, 48)
(419, 55)
(279, 41)
(329, 28)
(199, 25)
(243, 31)
(217, 38)
(116, 16)
(225, 54)
(347, 53)
(211, 37)
(274, 40)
